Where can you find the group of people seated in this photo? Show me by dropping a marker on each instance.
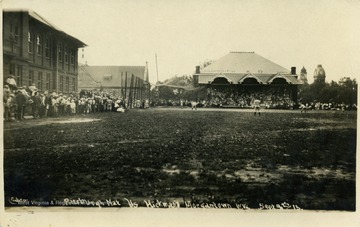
(244, 99)
(270, 99)
(304, 107)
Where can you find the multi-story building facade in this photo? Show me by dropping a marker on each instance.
(37, 53)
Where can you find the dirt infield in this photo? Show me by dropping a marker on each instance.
(183, 157)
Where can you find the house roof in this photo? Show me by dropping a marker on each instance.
(110, 76)
(242, 62)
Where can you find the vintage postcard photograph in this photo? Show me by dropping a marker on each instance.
(179, 113)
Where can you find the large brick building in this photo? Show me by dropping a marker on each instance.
(37, 52)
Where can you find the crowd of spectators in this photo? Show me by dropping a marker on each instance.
(272, 99)
(171, 102)
(233, 98)
(269, 99)
(21, 101)
(327, 106)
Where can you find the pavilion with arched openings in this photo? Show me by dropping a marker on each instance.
(248, 74)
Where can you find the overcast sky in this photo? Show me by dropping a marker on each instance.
(184, 33)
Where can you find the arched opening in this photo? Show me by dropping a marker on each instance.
(220, 80)
(279, 81)
(250, 81)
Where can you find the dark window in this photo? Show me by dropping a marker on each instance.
(61, 84)
(66, 52)
(54, 83)
(60, 51)
(47, 48)
(17, 34)
(39, 45)
(30, 41)
(16, 71)
(47, 85)
(72, 56)
(31, 77)
(12, 69)
(73, 84)
(18, 75)
(14, 33)
(67, 84)
(40, 80)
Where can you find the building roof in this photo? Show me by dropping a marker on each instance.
(110, 76)
(242, 62)
(48, 23)
(236, 67)
(85, 80)
(238, 78)
(44, 21)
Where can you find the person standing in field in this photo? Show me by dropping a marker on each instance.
(256, 105)
(20, 103)
(48, 107)
(6, 102)
(304, 108)
(36, 104)
(194, 105)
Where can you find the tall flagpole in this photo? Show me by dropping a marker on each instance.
(157, 72)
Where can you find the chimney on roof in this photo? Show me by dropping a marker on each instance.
(197, 69)
(293, 72)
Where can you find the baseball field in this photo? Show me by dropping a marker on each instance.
(172, 157)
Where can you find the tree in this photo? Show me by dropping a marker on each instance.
(343, 92)
(348, 90)
(206, 63)
(306, 94)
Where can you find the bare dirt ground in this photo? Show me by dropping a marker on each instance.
(221, 156)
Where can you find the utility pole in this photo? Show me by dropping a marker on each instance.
(125, 87)
(57, 67)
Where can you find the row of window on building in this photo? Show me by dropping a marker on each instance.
(42, 80)
(65, 53)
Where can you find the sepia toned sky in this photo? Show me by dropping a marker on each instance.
(184, 33)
